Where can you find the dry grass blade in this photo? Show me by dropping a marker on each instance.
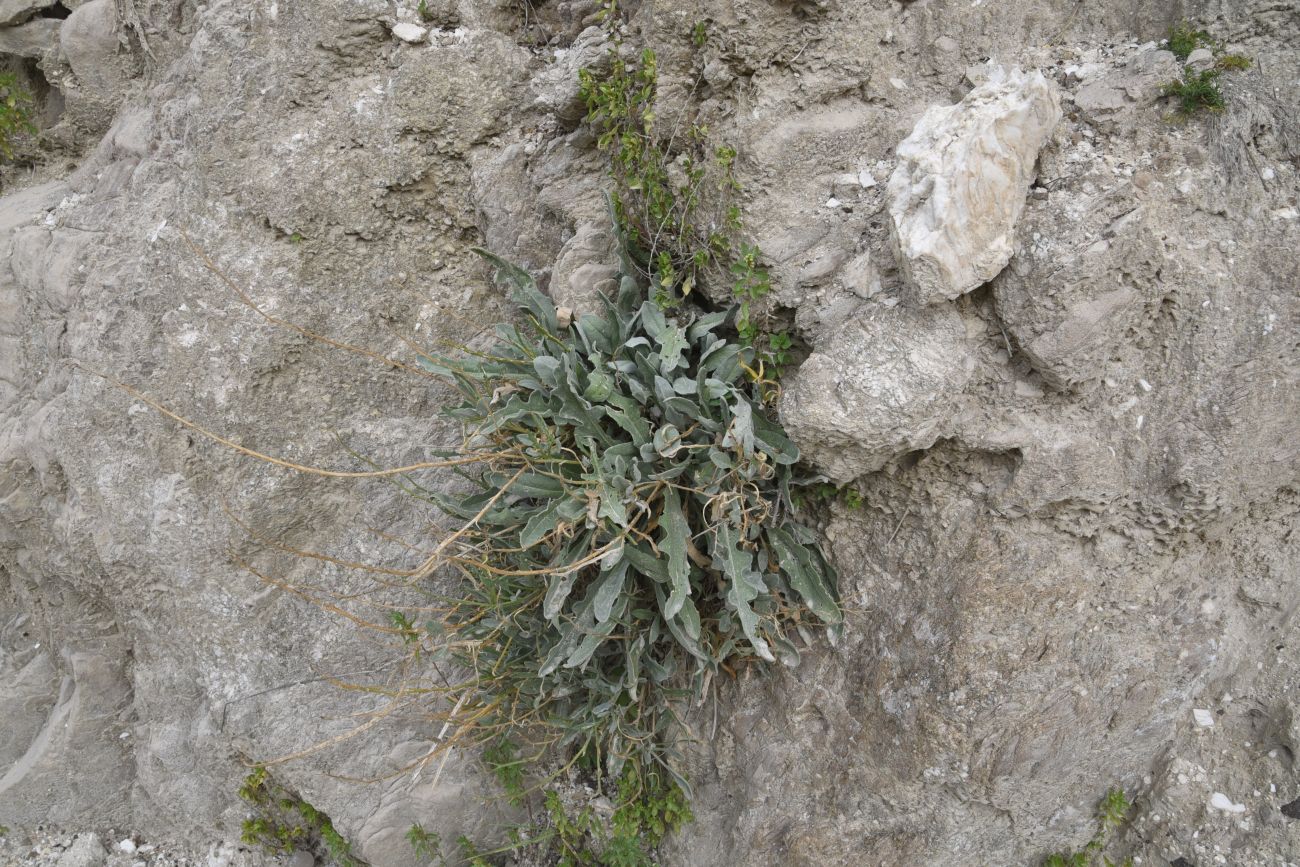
(461, 461)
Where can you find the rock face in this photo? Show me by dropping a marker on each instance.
(31, 39)
(961, 180)
(1077, 485)
(17, 11)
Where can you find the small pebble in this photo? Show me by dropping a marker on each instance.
(1220, 801)
(408, 32)
(1203, 717)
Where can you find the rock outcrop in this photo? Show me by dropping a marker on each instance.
(1073, 536)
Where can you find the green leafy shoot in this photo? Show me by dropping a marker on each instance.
(16, 113)
(503, 759)
(427, 846)
(1112, 812)
(674, 197)
(282, 822)
(1197, 91)
(1184, 38)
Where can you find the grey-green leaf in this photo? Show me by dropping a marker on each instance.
(673, 542)
(556, 594)
(538, 527)
(668, 441)
(806, 576)
(672, 343)
(608, 589)
(743, 584)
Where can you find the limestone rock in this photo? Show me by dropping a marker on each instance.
(88, 40)
(85, 851)
(1200, 59)
(882, 384)
(17, 11)
(586, 269)
(32, 39)
(1136, 84)
(961, 181)
(410, 33)
(555, 88)
(1071, 304)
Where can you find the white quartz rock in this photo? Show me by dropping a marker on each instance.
(961, 181)
(1220, 801)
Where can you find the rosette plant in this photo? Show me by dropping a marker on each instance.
(630, 534)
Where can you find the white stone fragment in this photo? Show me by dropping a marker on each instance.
(1220, 801)
(408, 32)
(961, 182)
(1203, 717)
(127, 846)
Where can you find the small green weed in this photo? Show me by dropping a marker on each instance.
(819, 491)
(1184, 38)
(1112, 812)
(426, 846)
(285, 822)
(649, 806)
(16, 112)
(502, 757)
(1199, 91)
(1232, 63)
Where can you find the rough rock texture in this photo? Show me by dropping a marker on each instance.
(29, 39)
(961, 179)
(1079, 483)
(17, 11)
(883, 383)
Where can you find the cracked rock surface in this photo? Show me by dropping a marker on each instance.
(1051, 345)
